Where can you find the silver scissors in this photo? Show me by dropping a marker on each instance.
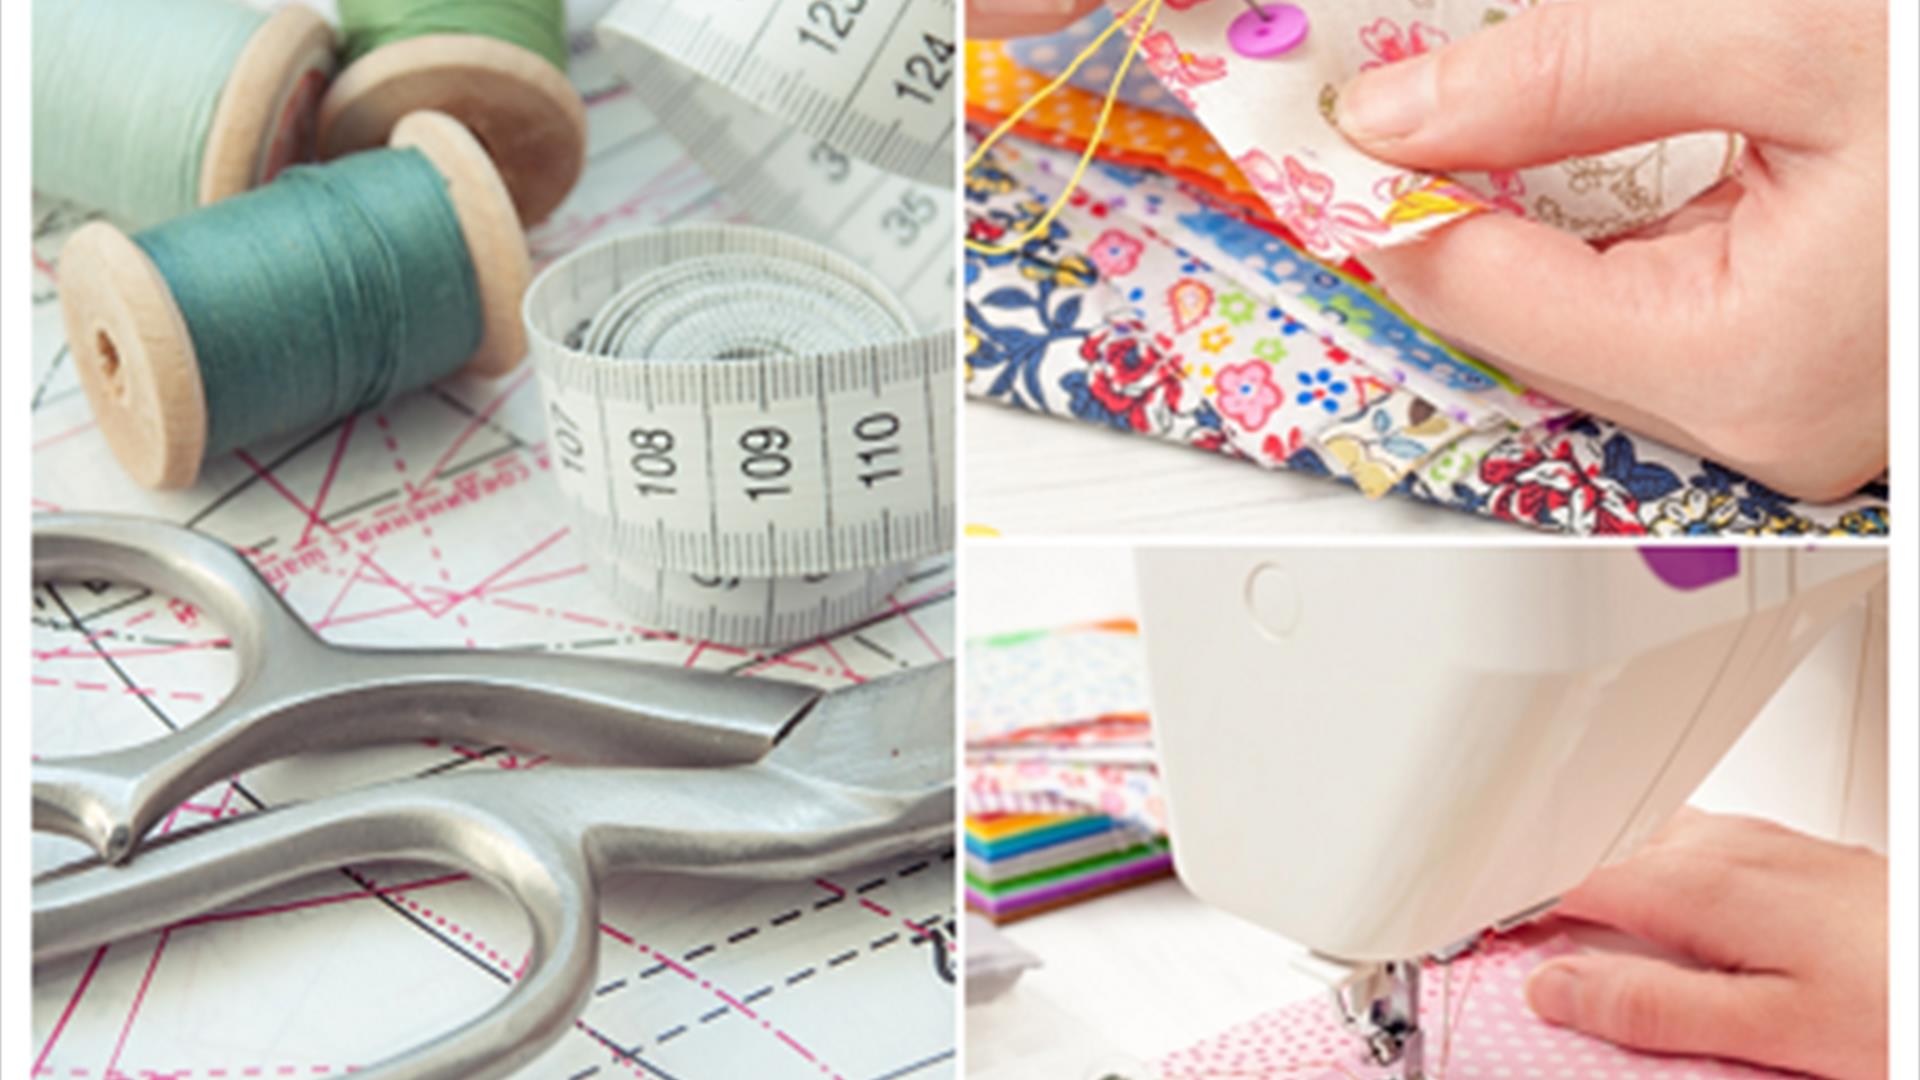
(696, 773)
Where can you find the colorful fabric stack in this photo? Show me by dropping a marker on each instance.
(1170, 298)
(1063, 800)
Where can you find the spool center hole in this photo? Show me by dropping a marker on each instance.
(109, 355)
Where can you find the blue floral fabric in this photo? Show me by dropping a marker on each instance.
(1145, 307)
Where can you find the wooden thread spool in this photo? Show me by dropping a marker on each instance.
(520, 107)
(242, 110)
(268, 115)
(136, 359)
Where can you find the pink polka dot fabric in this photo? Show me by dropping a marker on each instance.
(1495, 1036)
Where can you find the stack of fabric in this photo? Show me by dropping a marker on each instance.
(1198, 283)
(1063, 801)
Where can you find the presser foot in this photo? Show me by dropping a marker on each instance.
(1381, 1004)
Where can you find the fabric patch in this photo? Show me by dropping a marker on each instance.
(1382, 444)
(1336, 305)
(1232, 369)
(1048, 330)
(1274, 119)
(1047, 55)
(1174, 145)
(1060, 681)
(1478, 1026)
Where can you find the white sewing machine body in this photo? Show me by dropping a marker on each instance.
(1378, 752)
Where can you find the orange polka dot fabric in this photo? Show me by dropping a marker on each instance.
(1180, 147)
(1493, 1036)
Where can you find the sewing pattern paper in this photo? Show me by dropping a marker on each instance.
(1144, 302)
(1492, 1034)
(1274, 117)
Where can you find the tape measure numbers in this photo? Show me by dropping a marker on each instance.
(727, 402)
(753, 433)
(875, 81)
(897, 228)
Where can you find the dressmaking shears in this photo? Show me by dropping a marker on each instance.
(694, 772)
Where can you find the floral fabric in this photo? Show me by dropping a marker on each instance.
(1152, 309)
(1274, 119)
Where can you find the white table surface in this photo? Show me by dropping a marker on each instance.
(1029, 474)
(1127, 978)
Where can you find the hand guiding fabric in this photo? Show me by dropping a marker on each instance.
(1790, 933)
(1750, 326)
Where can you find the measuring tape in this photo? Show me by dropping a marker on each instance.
(746, 427)
(752, 433)
(789, 178)
(874, 81)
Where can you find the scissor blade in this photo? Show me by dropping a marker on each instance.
(893, 733)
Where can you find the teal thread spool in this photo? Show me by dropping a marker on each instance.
(147, 109)
(497, 66)
(296, 304)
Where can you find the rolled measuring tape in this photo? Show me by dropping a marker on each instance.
(147, 109)
(748, 431)
(497, 66)
(309, 299)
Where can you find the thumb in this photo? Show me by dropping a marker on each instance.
(1647, 1004)
(1565, 79)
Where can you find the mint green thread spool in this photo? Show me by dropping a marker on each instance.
(497, 66)
(146, 109)
(308, 300)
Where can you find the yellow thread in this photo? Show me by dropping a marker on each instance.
(1152, 9)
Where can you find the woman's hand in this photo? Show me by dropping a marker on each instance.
(1790, 933)
(1021, 18)
(1751, 327)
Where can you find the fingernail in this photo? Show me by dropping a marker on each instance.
(1024, 7)
(1390, 102)
(1550, 992)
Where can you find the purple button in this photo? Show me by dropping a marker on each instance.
(1690, 568)
(1270, 30)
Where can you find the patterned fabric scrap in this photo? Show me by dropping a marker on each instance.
(1491, 1033)
(1047, 55)
(1063, 801)
(1174, 145)
(1152, 309)
(1274, 118)
(1022, 686)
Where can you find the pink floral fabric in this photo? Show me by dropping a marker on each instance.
(1275, 117)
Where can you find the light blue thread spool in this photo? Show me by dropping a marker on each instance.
(146, 109)
(310, 299)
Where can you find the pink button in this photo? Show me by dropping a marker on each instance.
(1271, 30)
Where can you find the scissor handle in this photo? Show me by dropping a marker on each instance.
(316, 696)
(172, 559)
(543, 837)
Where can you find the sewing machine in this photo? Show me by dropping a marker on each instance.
(1380, 753)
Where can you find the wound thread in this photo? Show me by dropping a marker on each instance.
(124, 95)
(322, 294)
(539, 26)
